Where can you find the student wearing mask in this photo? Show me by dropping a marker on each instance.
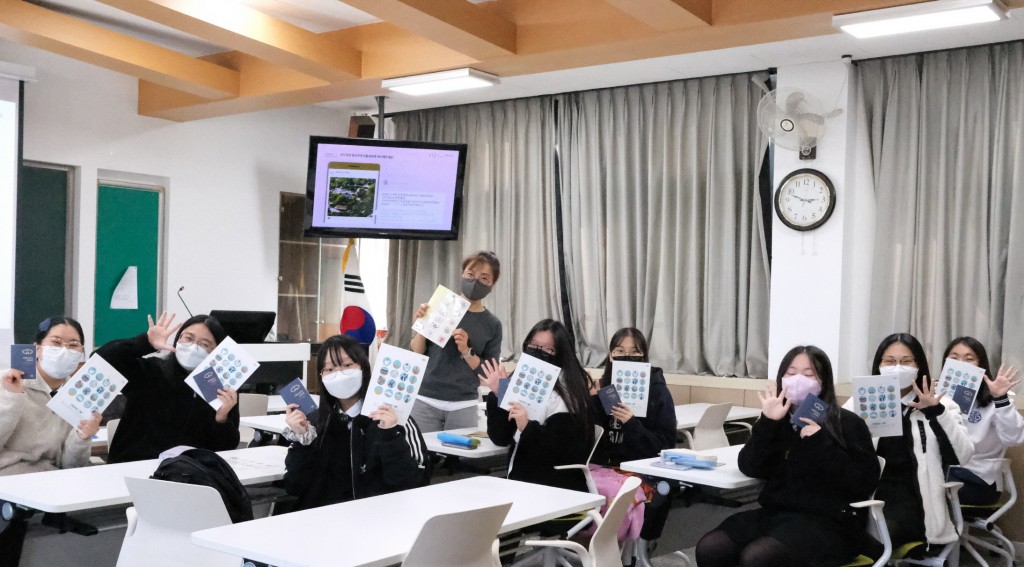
(811, 476)
(934, 439)
(32, 438)
(339, 455)
(161, 410)
(448, 397)
(565, 435)
(993, 425)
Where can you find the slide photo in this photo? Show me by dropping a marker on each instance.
(351, 189)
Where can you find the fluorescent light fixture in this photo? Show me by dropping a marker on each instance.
(933, 15)
(444, 81)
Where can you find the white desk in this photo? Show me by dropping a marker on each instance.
(275, 403)
(272, 423)
(487, 448)
(688, 415)
(381, 530)
(726, 476)
(71, 490)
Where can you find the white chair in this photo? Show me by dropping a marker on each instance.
(709, 433)
(467, 538)
(877, 528)
(161, 522)
(992, 538)
(111, 428)
(250, 405)
(604, 545)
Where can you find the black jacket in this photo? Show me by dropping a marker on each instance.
(540, 448)
(343, 464)
(640, 437)
(812, 475)
(161, 411)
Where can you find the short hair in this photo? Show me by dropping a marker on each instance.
(50, 322)
(486, 256)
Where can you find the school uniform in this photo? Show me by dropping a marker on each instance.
(992, 429)
(640, 437)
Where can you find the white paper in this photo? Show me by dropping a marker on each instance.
(633, 382)
(126, 294)
(530, 386)
(446, 311)
(958, 373)
(232, 364)
(877, 400)
(91, 389)
(396, 379)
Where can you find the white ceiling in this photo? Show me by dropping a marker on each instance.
(325, 15)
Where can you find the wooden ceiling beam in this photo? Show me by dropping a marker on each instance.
(45, 29)
(667, 15)
(239, 27)
(455, 24)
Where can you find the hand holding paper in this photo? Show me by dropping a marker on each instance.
(395, 383)
(876, 399)
(88, 391)
(441, 317)
(232, 366)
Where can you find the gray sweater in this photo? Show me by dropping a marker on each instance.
(33, 438)
(448, 377)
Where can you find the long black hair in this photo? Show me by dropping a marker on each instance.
(574, 385)
(984, 395)
(911, 342)
(823, 369)
(50, 322)
(331, 350)
(638, 339)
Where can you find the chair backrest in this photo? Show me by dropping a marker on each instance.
(111, 429)
(710, 430)
(250, 405)
(598, 434)
(166, 515)
(460, 538)
(604, 545)
(1009, 487)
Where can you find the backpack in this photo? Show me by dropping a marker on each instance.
(206, 468)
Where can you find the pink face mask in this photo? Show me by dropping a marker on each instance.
(799, 386)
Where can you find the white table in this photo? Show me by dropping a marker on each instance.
(272, 423)
(687, 415)
(275, 403)
(72, 490)
(727, 476)
(487, 448)
(381, 530)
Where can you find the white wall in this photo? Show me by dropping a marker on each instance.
(224, 176)
(9, 89)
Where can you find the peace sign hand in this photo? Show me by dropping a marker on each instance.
(1004, 382)
(774, 406)
(159, 333)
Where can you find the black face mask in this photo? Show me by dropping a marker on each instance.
(629, 358)
(538, 353)
(474, 290)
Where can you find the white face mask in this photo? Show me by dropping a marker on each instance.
(345, 383)
(189, 355)
(907, 374)
(60, 362)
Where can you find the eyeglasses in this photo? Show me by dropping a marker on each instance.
(58, 342)
(889, 361)
(542, 348)
(190, 339)
(619, 351)
(329, 368)
(482, 278)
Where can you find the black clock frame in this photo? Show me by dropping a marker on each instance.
(825, 216)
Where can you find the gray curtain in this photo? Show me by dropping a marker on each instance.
(508, 207)
(947, 146)
(663, 226)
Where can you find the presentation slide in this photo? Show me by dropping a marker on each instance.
(384, 187)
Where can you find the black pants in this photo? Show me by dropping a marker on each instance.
(975, 491)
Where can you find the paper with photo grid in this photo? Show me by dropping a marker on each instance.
(91, 389)
(530, 386)
(877, 400)
(232, 364)
(633, 381)
(395, 381)
(967, 376)
(446, 310)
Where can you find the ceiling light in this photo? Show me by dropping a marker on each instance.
(919, 17)
(445, 81)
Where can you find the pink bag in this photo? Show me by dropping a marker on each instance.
(608, 482)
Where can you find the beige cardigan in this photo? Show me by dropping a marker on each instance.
(33, 438)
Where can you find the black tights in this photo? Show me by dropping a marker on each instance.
(716, 549)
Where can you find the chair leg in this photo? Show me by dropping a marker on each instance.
(996, 549)
(966, 544)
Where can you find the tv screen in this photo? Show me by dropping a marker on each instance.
(365, 188)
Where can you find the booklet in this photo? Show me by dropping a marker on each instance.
(395, 381)
(446, 311)
(23, 357)
(812, 408)
(91, 389)
(232, 364)
(209, 383)
(609, 397)
(533, 380)
(958, 375)
(876, 399)
(296, 393)
(633, 381)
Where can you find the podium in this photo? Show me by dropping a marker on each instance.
(280, 363)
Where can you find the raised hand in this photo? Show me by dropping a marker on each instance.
(421, 311)
(774, 406)
(1004, 382)
(926, 398)
(13, 381)
(159, 333)
(295, 419)
(493, 373)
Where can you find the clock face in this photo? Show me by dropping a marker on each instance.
(805, 199)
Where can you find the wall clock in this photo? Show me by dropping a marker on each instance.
(805, 199)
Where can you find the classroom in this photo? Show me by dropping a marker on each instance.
(627, 165)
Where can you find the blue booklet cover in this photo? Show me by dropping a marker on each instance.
(812, 408)
(23, 357)
(964, 397)
(502, 386)
(208, 383)
(296, 393)
(609, 397)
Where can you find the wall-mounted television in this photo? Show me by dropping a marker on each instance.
(367, 188)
